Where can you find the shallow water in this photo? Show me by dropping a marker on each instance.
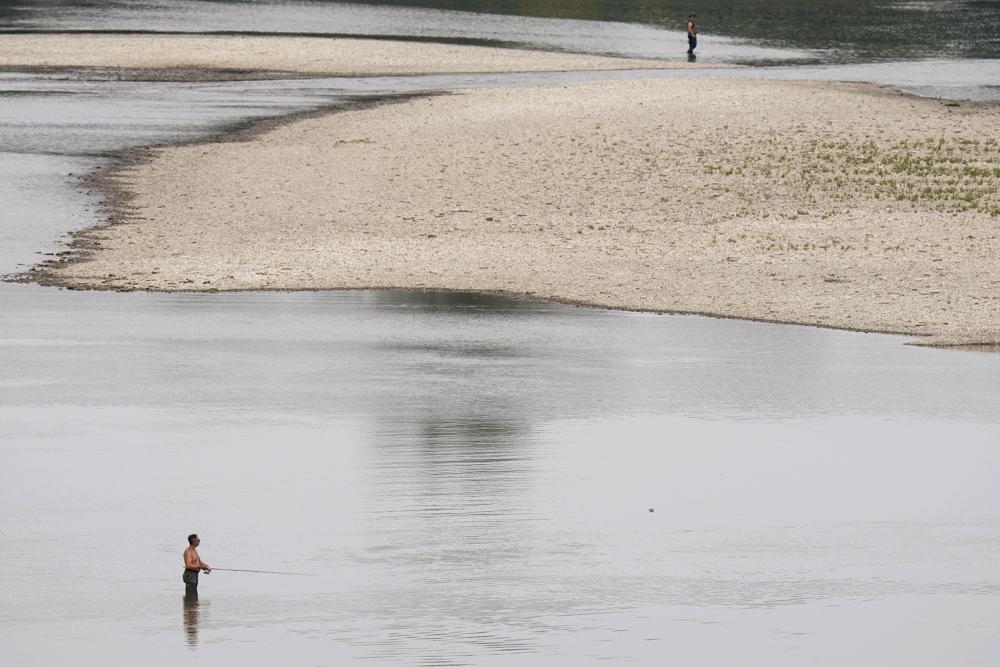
(761, 30)
(587, 36)
(468, 479)
(834, 30)
(946, 49)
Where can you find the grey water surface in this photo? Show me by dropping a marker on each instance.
(468, 479)
(471, 481)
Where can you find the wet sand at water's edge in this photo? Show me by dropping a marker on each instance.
(842, 205)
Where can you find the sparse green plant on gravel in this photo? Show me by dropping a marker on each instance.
(952, 175)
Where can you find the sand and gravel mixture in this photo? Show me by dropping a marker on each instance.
(158, 55)
(839, 205)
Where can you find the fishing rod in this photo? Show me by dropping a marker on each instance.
(290, 574)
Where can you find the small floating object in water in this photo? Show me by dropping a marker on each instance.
(650, 509)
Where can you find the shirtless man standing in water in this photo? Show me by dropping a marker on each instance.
(193, 564)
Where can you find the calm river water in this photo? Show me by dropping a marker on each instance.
(467, 479)
(470, 481)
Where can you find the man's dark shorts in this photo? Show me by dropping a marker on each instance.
(191, 577)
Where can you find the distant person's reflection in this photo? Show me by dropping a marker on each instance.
(191, 619)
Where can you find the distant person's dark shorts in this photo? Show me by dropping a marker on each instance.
(191, 577)
(692, 43)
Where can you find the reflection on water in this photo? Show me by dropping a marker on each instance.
(192, 610)
(448, 302)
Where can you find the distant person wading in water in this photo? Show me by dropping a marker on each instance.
(193, 564)
(692, 34)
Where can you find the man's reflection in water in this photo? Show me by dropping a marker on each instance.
(191, 619)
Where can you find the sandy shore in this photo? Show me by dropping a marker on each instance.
(300, 55)
(830, 204)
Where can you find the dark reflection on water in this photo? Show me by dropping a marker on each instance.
(192, 611)
(398, 354)
(451, 301)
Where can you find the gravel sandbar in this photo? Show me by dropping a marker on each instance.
(839, 205)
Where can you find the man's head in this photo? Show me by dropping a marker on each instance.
(193, 539)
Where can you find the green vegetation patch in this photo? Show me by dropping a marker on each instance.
(952, 175)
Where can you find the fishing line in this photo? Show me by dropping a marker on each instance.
(289, 574)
